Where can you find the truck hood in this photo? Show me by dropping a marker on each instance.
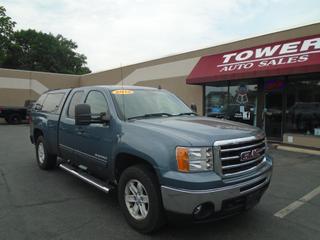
(198, 130)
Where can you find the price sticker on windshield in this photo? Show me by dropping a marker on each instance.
(122, 91)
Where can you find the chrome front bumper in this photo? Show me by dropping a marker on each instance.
(185, 201)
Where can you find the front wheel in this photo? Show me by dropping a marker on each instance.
(45, 160)
(140, 199)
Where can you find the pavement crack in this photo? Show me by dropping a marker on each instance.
(73, 229)
(5, 181)
(46, 202)
(302, 225)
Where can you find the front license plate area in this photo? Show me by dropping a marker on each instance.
(253, 198)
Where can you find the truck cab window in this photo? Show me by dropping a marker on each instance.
(76, 98)
(52, 102)
(39, 102)
(97, 102)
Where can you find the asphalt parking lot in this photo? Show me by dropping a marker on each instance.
(36, 204)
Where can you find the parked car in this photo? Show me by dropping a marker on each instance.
(154, 150)
(15, 115)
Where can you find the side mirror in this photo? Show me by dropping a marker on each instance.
(83, 114)
(37, 107)
(103, 117)
(193, 107)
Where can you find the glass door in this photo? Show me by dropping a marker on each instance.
(273, 114)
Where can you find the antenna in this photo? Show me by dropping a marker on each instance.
(123, 104)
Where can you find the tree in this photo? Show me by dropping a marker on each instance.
(6, 32)
(38, 51)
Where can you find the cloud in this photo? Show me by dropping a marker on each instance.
(114, 32)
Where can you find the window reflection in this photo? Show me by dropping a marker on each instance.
(303, 106)
(216, 101)
(236, 102)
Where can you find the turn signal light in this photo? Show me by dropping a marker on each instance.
(182, 155)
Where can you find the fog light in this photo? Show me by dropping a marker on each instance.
(203, 211)
(197, 210)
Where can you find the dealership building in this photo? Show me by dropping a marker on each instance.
(270, 81)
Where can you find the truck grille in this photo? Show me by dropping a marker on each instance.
(240, 157)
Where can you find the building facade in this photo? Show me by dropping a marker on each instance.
(275, 86)
(270, 81)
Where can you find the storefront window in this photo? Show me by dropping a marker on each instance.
(216, 101)
(303, 104)
(243, 103)
(273, 89)
(291, 103)
(236, 102)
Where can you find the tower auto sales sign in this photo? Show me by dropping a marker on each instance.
(271, 59)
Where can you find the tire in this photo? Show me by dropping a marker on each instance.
(154, 219)
(14, 119)
(45, 160)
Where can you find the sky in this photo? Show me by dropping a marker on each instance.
(113, 33)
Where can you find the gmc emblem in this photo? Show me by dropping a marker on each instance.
(249, 155)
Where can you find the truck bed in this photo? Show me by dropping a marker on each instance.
(13, 115)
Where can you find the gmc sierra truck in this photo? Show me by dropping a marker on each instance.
(160, 156)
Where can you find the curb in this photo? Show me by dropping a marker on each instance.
(298, 150)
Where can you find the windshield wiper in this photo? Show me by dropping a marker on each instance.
(151, 115)
(186, 113)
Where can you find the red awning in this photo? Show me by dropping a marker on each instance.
(300, 55)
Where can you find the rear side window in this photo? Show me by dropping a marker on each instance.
(76, 99)
(52, 102)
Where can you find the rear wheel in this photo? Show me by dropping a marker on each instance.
(140, 199)
(14, 119)
(45, 160)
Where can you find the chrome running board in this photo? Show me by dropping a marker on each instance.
(86, 177)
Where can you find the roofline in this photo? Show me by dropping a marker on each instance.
(277, 31)
(116, 87)
(40, 72)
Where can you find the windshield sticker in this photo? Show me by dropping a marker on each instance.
(122, 91)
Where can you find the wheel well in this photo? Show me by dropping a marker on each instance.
(37, 133)
(124, 160)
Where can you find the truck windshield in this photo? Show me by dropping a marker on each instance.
(141, 103)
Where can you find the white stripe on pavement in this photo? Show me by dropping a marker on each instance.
(293, 206)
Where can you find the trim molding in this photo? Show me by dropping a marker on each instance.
(22, 83)
(161, 71)
(105, 161)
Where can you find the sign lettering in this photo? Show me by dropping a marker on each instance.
(293, 56)
(286, 53)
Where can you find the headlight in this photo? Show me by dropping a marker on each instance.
(194, 159)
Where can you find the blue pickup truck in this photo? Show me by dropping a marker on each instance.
(160, 156)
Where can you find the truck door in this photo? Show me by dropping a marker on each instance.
(97, 137)
(70, 135)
